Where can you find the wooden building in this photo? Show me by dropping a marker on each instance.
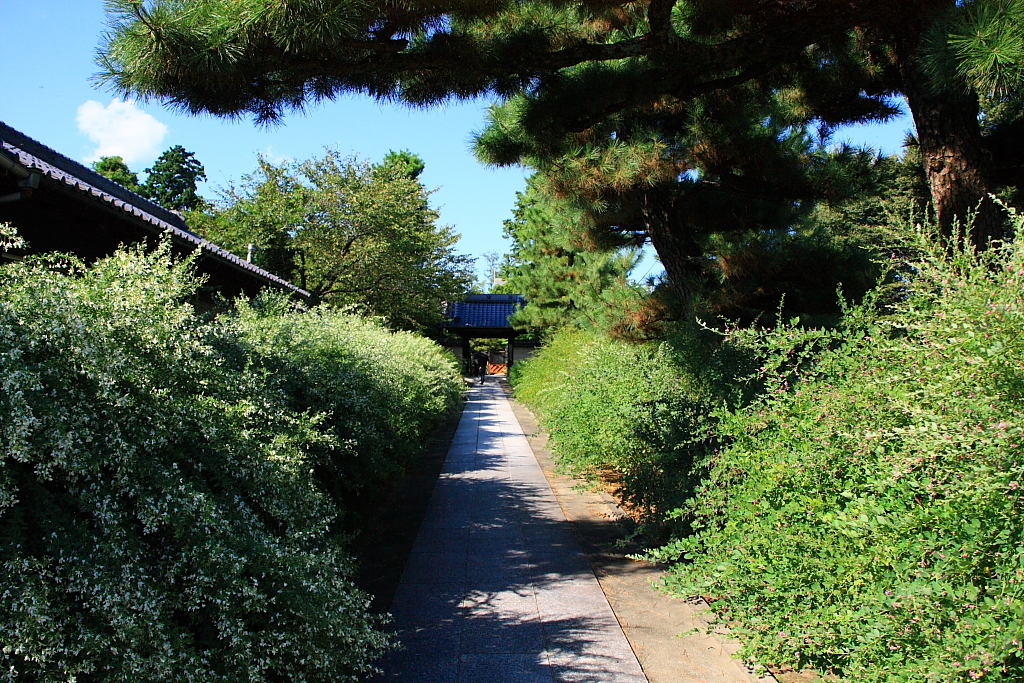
(57, 204)
(485, 316)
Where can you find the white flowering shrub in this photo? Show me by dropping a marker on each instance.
(164, 513)
(379, 392)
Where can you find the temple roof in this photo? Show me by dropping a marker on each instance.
(484, 313)
(58, 204)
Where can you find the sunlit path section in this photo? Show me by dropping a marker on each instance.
(496, 588)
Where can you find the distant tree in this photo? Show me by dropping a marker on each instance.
(565, 278)
(265, 210)
(117, 170)
(173, 179)
(403, 163)
(493, 260)
(350, 232)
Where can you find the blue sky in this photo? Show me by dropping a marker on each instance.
(45, 92)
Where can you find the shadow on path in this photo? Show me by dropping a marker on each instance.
(674, 639)
(496, 587)
(389, 519)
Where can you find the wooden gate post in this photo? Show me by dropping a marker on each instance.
(467, 356)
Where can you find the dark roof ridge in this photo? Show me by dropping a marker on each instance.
(495, 298)
(88, 175)
(35, 155)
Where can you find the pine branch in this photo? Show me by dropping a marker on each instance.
(257, 75)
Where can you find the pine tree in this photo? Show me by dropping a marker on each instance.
(172, 180)
(573, 66)
(117, 170)
(737, 163)
(564, 278)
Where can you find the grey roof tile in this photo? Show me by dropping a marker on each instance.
(38, 157)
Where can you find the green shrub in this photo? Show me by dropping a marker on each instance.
(164, 510)
(867, 514)
(379, 393)
(854, 500)
(640, 412)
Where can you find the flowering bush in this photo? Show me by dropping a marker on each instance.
(866, 516)
(164, 509)
(378, 392)
(854, 500)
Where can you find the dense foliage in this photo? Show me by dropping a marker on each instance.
(866, 515)
(169, 485)
(379, 393)
(573, 270)
(172, 181)
(565, 278)
(859, 507)
(642, 415)
(351, 232)
(622, 94)
(173, 178)
(117, 170)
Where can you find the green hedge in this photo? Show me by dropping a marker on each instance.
(379, 393)
(168, 486)
(642, 413)
(868, 515)
(850, 500)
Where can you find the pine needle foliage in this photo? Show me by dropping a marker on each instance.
(265, 57)
(979, 45)
(594, 78)
(722, 180)
(565, 278)
(172, 180)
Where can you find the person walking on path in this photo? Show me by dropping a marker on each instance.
(482, 361)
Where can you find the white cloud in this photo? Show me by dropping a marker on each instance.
(121, 129)
(273, 157)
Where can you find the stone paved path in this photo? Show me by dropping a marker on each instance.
(496, 589)
(675, 640)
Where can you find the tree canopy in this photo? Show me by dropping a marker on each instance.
(116, 169)
(623, 80)
(351, 232)
(171, 181)
(695, 180)
(265, 58)
(564, 278)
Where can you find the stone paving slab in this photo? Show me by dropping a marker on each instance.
(497, 587)
(673, 639)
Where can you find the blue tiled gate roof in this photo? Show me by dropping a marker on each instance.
(490, 311)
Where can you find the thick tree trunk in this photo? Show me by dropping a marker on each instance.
(956, 164)
(675, 243)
